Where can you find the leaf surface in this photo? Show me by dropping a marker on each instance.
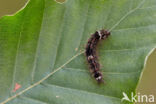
(41, 49)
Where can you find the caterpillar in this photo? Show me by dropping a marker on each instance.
(91, 54)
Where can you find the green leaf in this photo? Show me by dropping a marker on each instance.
(41, 48)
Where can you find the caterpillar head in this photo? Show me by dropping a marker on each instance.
(104, 34)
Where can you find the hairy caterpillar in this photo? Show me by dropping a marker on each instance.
(91, 54)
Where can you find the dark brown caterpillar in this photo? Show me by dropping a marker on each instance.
(91, 55)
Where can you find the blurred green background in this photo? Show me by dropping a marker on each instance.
(147, 83)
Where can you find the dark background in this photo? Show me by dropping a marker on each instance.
(147, 83)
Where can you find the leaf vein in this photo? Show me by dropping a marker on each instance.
(131, 11)
(84, 91)
(80, 70)
(37, 49)
(40, 81)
